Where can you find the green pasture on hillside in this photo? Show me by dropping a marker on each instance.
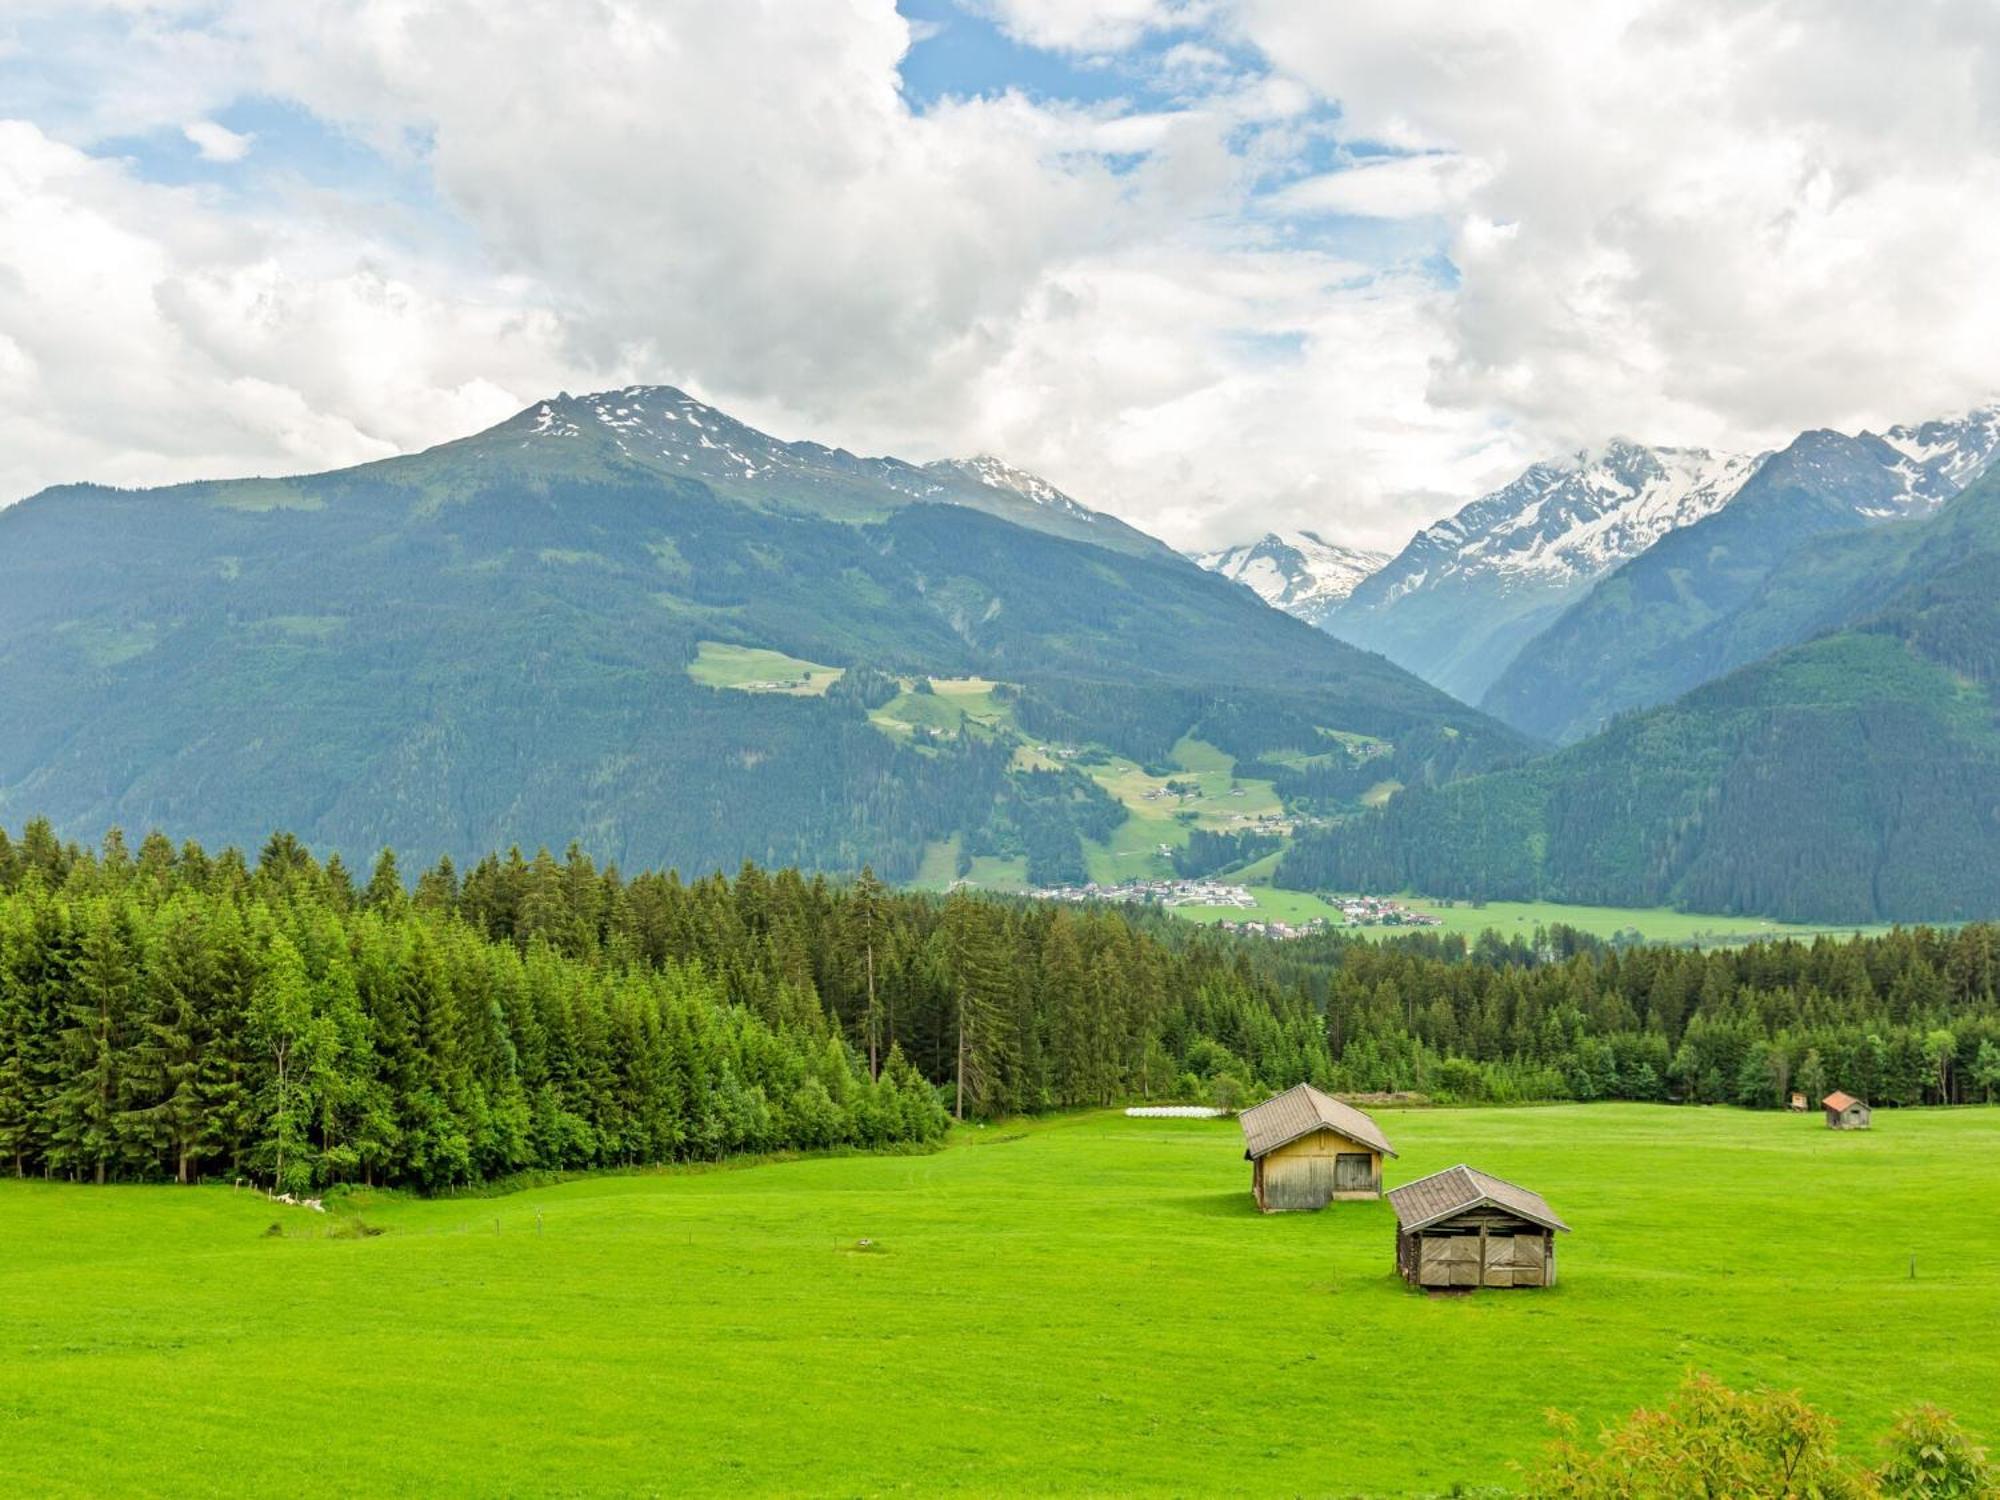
(1083, 1305)
(752, 669)
(1656, 924)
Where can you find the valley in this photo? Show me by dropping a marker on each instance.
(1102, 748)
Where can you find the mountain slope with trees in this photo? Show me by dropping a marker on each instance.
(490, 641)
(1637, 638)
(1852, 777)
(1466, 594)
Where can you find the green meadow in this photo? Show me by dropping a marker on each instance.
(1088, 1304)
(1656, 924)
(751, 669)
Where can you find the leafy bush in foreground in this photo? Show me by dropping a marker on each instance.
(1710, 1440)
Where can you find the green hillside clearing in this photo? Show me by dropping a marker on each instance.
(752, 669)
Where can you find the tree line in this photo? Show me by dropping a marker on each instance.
(170, 1013)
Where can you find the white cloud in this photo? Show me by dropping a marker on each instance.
(1387, 187)
(1090, 26)
(1215, 393)
(218, 142)
(145, 338)
(1690, 219)
(1705, 220)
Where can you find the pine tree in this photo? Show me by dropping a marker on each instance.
(980, 988)
(167, 1109)
(97, 1017)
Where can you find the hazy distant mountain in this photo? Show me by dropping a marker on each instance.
(1299, 572)
(1466, 594)
(503, 639)
(1853, 776)
(1632, 640)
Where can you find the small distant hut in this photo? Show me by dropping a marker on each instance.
(1798, 1103)
(1844, 1112)
(1462, 1228)
(1307, 1149)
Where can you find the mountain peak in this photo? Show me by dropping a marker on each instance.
(1299, 572)
(1574, 517)
(998, 474)
(663, 431)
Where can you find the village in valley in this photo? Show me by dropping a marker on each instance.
(1355, 911)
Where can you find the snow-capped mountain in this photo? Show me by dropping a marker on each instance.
(1571, 517)
(1299, 572)
(660, 428)
(1674, 616)
(1940, 458)
(1468, 592)
(995, 474)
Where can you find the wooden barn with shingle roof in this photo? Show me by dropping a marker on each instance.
(1307, 1149)
(1844, 1111)
(1463, 1228)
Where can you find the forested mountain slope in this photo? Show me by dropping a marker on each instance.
(1637, 638)
(500, 640)
(1853, 777)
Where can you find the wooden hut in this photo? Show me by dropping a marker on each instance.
(1844, 1111)
(1307, 1148)
(1798, 1105)
(1462, 1228)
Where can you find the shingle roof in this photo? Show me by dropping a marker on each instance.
(1299, 1111)
(1443, 1194)
(1838, 1100)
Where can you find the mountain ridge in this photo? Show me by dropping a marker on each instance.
(513, 637)
(1853, 776)
(1469, 591)
(1627, 643)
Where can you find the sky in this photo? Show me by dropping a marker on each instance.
(1218, 266)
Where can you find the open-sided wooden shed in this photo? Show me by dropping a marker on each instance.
(1307, 1149)
(1463, 1228)
(1844, 1111)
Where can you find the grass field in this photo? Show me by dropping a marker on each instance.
(1509, 918)
(1657, 924)
(1088, 1304)
(751, 669)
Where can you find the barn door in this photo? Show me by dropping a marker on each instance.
(1529, 1268)
(1499, 1267)
(1434, 1260)
(1353, 1172)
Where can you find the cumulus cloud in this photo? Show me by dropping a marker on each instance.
(1387, 187)
(1701, 219)
(146, 338)
(1091, 26)
(1215, 309)
(218, 142)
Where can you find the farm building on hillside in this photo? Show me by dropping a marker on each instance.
(1307, 1148)
(1844, 1112)
(1798, 1105)
(1462, 1228)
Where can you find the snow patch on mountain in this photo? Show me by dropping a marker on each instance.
(1299, 572)
(666, 430)
(984, 468)
(1569, 520)
(1938, 459)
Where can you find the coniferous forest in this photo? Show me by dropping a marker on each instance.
(168, 1013)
